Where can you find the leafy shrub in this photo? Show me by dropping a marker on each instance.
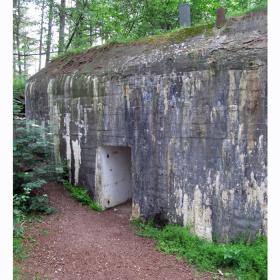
(32, 154)
(33, 166)
(246, 261)
(40, 203)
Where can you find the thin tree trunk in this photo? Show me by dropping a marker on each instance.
(74, 31)
(41, 34)
(82, 7)
(49, 35)
(78, 27)
(90, 33)
(31, 54)
(25, 70)
(61, 26)
(14, 46)
(14, 65)
(17, 37)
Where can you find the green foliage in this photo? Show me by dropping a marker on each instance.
(246, 261)
(28, 157)
(81, 194)
(31, 151)
(129, 20)
(33, 167)
(154, 21)
(19, 254)
(18, 96)
(240, 7)
(16, 273)
(40, 203)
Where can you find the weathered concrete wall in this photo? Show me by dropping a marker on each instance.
(193, 113)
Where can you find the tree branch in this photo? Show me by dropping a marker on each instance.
(31, 54)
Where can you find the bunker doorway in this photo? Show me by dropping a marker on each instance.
(113, 184)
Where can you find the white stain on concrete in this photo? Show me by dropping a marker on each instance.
(95, 87)
(77, 159)
(67, 140)
(85, 124)
(227, 198)
(260, 143)
(165, 98)
(67, 86)
(195, 212)
(256, 196)
(54, 121)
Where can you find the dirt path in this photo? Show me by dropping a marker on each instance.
(78, 243)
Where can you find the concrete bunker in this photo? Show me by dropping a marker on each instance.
(113, 175)
(193, 113)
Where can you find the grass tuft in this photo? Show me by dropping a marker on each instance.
(233, 259)
(81, 194)
(18, 248)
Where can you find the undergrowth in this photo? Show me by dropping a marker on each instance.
(19, 254)
(18, 248)
(81, 194)
(238, 259)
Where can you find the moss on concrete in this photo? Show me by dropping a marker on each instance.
(178, 35)
(175, 36)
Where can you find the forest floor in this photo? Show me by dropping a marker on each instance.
(76, 243)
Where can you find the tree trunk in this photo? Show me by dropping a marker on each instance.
(49, 35)
(14, 45)
(90, 34)
(77, 34)
(79, 20)
(61, 26)
(78, 27)
(14, 65)
(25, 70)
(17, 37)
(41, 34)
